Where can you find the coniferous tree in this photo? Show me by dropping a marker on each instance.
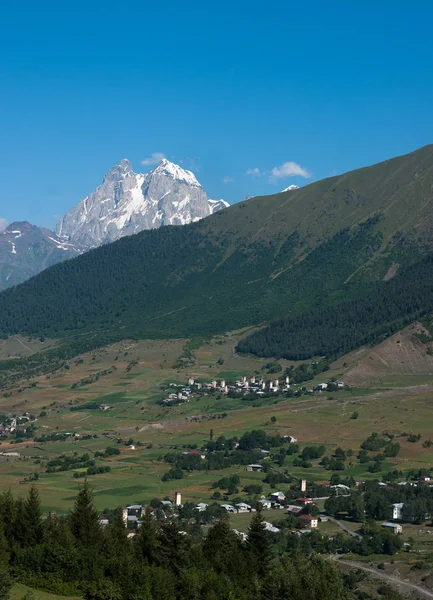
(259, 545)
(5, 579)
(19, 529)
(146, 541)
(33, 518)
(173, 547)
(5, 584)
(84, 519)
(311, 578)
(8, 514)
(117, 550)
(62, 555)
(222, 549)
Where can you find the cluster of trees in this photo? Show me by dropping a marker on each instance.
(223, 452)
(68, 462)
(86, 406)
(93, 471)
(166, 560)
(306, 371)
(375, 443)
(376, 502)
(21, 434)
(52, 437)
(228, 483)
(110, 451)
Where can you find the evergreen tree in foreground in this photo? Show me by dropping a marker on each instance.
(259, 545)
(32, 515)
(5, 580)
(84, 519)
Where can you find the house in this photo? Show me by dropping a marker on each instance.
(167, 503)
(131, 447)
(304, 501)
(132, 520)
(103, 520)
(320, 387)
(201, 507)
(277, 496)
(265, 452)
(293, 509)
(340, 486)
(256, 468)
(104, 407)
(395, 527)
(397, 511)
(195, 453)
(340, 384)
(135, 509)
(265, 504)
(228, 507)
(243, 507)
(313, 522)
(269, 527)
(290, 439)
(424, 478)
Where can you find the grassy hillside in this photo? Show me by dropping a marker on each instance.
(260, 260)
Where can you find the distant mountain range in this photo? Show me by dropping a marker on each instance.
(338, 262)
(124, 204)
(25, 250)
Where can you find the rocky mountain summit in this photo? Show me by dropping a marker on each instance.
(127, 202)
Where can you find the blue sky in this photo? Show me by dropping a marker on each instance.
(223, 88)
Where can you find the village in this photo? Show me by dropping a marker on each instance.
(245, 387)
(302, 513)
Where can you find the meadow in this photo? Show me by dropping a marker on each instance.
(132, 390)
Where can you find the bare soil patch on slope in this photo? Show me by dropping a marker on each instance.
(402, 354)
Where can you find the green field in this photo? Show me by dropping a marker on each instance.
(136, 474)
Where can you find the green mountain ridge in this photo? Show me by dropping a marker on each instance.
(257, 261)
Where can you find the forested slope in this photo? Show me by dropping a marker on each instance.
(258, 261)
(335, 330)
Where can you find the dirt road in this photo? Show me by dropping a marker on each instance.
(404, 586)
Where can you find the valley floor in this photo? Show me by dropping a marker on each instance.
(133, 377)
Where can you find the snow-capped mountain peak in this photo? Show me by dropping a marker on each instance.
(165, 167)
(290, 188)
(120, 171)
(216, 205)
(127, 202)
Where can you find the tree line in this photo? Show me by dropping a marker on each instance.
(165, 560)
